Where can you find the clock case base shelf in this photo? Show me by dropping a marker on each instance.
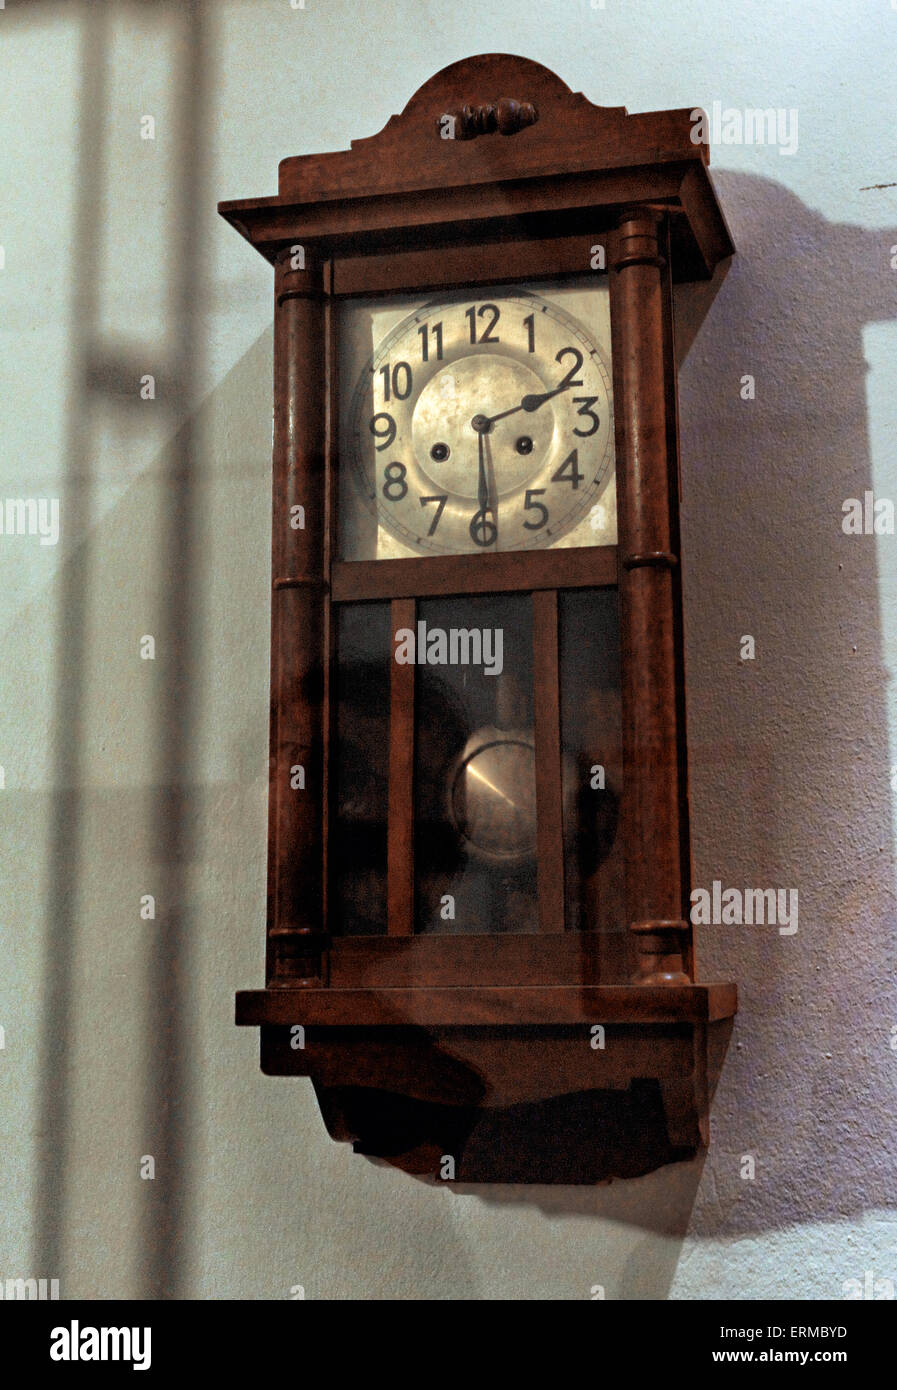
(505, 1081)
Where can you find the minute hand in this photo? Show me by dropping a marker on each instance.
(531, 403)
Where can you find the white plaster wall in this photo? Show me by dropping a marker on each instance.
(125, 777)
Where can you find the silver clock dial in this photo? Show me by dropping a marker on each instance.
(482, 424)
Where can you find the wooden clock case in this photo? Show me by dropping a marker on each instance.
(480, 1058)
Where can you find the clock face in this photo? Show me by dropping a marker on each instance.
(481, 424)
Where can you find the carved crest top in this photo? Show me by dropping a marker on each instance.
(488, 140)
(485, 119)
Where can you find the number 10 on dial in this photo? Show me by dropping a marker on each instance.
(482, 424)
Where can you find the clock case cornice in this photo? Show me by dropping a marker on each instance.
(565, 175)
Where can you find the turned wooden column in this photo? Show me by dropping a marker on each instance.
(645, 434)
(296, 811)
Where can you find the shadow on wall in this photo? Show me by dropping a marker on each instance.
(99, 380)
(789, 752)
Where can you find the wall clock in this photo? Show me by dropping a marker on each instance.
(478, 944)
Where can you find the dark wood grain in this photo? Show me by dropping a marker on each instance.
(400, 853)
(584, 567)
(299, 622)
(647, 598)
(496, 263)
(583, 204)
(549, 797)
(489, 1006)
(506, 959)
(328, 713)
(581, 1115)
(674, 486)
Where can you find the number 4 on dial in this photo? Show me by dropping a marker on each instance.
(569, 470)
